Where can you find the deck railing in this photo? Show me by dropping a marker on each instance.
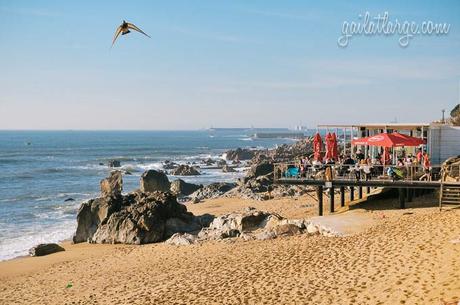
(294, 170)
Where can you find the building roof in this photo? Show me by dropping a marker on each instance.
(404, 126)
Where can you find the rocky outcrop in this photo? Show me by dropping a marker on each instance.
(45, 249)
(152, 181)
(185, 170)
(212, 190)
(170, 164)
(260, 169)
(180, 187)
(114, 163)
(250, 224)
(112, 186)
(140, 217)
(136, 218)
(239, 154)
(228, 169)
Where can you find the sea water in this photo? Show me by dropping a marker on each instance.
(41, 171)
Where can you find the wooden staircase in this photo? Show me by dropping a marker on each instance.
(449, 194)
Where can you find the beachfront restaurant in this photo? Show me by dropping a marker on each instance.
(440, 140)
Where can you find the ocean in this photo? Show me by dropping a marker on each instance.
(39, 170)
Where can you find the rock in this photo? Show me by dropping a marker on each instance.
(185, 170)
(212, 190)
(169, 165)
(260, 169)
(286, 230)
(100, 163)
(112, 186)
(228, 169)
(69, 199)
(91, 214)
(195, 200)
(239, 154)
(208, 162)
(45, 249)
(221, 163)
(312, 229)
(234, 224)
(180, 187)
(181, 239)
(135, 218)
(265, 235)
(127, 173)
(114, 163)
(153, 180)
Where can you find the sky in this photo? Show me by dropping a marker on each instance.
(213, 63)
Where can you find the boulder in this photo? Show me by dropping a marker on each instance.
(185, 170)
(228, 169)
(69, 199)
(239, 154)
(45, 249)
(170, 165)
(235, 224)
(181, 239)
(208, 162)
(91, 214)
(114, 163)
(152, 181)
(287, 229)
(180, 187)
(212, 190)
(135, 218)
(112, 185)
(221, 163)
(260, 169)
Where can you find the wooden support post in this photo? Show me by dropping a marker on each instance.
(319, 194)
(342, 196)
(368, 190)
(352, 193)
(402, 198)
(360, 192)
(331, 199)
(409, 195)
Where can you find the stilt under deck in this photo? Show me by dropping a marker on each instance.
(405, 188)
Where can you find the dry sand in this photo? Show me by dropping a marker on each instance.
(405, 257)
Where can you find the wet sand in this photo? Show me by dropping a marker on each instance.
(405, 257)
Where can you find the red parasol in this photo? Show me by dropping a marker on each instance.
(335, 152)
(394, 139)
(329, 144)
(317, 145)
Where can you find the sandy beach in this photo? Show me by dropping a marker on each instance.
(404, 257)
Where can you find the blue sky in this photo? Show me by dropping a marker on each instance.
(219, 63)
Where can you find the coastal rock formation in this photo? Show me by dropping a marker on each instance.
(212, 190)
(169, 164)
(112, 186)
(180, 187)
(228, 169)
(45, 249)
(185, 170)
(181, 239)
(114, 163)
(260, 169)
(136, 218)
(153, 180)
(239, 154)
(143, 216)
(221, 163)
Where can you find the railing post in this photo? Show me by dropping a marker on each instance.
(331, 199)
(360, 192)
(342, 196)
(352, 193)
(319, 194)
